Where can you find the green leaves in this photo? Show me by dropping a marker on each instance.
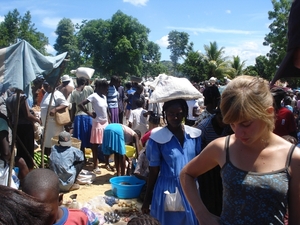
(15, 28)
(277, 38)
(115, 46)
(178, 45)
(66, 41)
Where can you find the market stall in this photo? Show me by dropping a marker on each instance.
(20, 64)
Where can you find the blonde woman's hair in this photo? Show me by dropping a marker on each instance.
(247, 98)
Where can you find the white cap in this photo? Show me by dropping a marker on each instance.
(65, 78)
(212, 80)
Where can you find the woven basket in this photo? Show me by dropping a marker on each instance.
(75, 142)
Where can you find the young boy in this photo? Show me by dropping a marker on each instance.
(137, 120)
(43, 185)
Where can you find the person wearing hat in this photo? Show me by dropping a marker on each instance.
(65, 86)
(66, 161)
(285, 123)
(290, 65)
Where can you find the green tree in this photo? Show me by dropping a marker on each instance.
(15, 28)
(9, 29)
(178, 45)
(216, 64)
(261, 66)
(151, 61)
(194, 66)
(130, 41)
(115, 46)
(277, 38)
(237, 66)
(251, 70)
(168, 65)
(93, 40)
(66, 41)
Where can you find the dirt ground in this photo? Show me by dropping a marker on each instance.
(92, 196)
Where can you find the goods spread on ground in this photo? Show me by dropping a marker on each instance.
(108, 209)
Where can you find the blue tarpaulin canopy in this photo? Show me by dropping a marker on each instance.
(21, 63)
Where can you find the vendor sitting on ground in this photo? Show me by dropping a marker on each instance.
(66, 161)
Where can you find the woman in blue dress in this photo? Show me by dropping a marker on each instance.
(169, 149)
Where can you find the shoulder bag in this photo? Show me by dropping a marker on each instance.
(62, 116)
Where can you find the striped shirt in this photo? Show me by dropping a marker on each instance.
(112, 97)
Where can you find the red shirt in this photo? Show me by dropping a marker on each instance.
(285, 123)
(72, 217)
(145, 137)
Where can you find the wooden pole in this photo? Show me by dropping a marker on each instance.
(14, 134)
(48, 110)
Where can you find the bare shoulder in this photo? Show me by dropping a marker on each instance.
(295, 161)
(218, 144)
(284, 146)
(216, 150)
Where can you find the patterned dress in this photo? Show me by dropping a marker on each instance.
(254, 198)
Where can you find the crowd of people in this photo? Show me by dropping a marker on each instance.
(229, 157)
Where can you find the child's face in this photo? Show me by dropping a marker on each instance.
(51, 202)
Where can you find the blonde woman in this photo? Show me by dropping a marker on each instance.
(260, 170)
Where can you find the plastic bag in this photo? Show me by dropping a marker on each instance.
(85, 177)
(173, 201)
(4, 172)
(93, 219)
(110, 200)
(37, 131)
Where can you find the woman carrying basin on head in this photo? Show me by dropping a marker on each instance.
(168, 150)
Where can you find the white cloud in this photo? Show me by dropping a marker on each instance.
(228, 11)
(163, 42)
(1, 19)
(53, 34)
(137, 2)
(211, 30)
(50, 49)
(247, 51)
(40, 12)
(51, 22)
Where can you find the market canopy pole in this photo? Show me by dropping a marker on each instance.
(61, 67)
(14, 134)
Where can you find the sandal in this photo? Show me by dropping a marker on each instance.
(110, 168)
(97, 171)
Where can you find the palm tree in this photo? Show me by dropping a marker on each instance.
(237, 65)
(216, 64)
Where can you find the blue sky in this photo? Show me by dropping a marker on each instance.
(237, 25)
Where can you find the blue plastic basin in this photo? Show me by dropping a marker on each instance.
(126, 186)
